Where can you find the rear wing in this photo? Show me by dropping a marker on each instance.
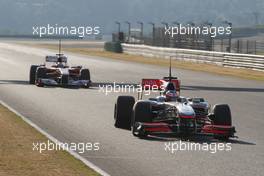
(160, 84)
(56, 58)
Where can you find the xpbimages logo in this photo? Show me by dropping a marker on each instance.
(80, 147)
(130, 88)
(174, 147)
(213, 31)
(79, 31)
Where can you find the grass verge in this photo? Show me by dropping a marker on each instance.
(18, 158)
(240, 73)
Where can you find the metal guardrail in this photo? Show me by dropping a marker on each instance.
(255, 62)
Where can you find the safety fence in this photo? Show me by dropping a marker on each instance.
(255, 62)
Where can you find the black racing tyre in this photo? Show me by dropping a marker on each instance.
(64, 80)
(221, 115)
(85, 74)
(40, 74)
(32, 74)
(123, 111)
(142, 112)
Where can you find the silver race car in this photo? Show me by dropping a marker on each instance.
(173, 114)
(170, 113)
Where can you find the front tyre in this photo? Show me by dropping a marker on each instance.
(85, 75)
(221, 116)
(40, 74)
(32, 74)
(142, 112)
(123, 111)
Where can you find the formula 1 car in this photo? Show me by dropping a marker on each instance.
(170, 113)
(56, 72)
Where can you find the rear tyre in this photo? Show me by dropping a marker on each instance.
(40, 74)
(142, 112)
(32, 74)
(123, 112)
(222, 116)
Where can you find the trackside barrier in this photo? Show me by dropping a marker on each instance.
(255, 62)
(113, 47)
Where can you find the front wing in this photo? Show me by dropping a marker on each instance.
(52, 82)
(166, 128)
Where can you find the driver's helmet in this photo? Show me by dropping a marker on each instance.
(170, 86)
(171, 95)
(170, 92)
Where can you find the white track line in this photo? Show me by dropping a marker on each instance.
(56, 141)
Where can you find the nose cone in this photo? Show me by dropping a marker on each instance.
(185, 110)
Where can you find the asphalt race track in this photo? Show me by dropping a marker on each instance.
(86, 115)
